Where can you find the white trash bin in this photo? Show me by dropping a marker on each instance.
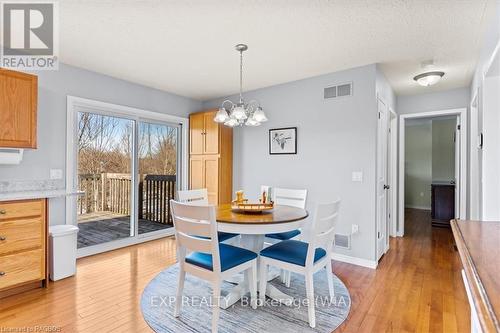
(62, 249)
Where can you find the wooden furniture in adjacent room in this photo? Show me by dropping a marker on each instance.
(211, 157)
(477, 244)
(443, 204)
(23, 245)
(18, 108)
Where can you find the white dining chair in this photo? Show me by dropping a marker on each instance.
(200, 197)
(196, 230)
(287, 197)
(195, 197)
(305, 257)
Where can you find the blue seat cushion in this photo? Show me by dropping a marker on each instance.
(230, 256)
(291, 251)
(223, 236)
(284, 235)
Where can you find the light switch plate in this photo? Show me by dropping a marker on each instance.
(56, 174)
(357, 176)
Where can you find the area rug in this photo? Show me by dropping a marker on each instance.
(158, 299)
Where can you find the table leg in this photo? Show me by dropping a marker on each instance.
(254, 243)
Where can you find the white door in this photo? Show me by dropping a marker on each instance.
(382, 135)
(480, 156)
(474, 178)
(457, 168)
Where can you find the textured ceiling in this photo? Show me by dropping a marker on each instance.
(187, 47)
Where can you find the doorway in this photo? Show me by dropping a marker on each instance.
(128, 163)
(437, 168)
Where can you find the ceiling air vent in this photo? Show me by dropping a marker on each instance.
(331, 92)
(340, 90)
(343, 241)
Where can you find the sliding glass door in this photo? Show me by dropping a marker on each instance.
(105, 165)
(158, 156)
(128, 170)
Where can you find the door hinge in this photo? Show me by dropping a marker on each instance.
(378, 234)
(458, 127)
(379, 115)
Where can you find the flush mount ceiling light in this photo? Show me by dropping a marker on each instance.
(237, 114)
(428, 78)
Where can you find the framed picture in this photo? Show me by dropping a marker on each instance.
(283, 141)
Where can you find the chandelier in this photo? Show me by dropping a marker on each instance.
(237, 114)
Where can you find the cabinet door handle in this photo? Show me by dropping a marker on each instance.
(2, 273)
(3, 212)
(2, 238)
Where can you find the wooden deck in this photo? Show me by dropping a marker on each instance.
(101, 227)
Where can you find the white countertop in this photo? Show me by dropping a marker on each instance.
(40, 194)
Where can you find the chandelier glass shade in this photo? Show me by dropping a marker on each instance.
(236, 114)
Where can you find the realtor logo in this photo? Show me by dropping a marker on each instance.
(29, 35)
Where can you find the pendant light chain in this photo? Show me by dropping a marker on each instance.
(241, 76)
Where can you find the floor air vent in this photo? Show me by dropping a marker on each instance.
(343, 241)
(340, 90)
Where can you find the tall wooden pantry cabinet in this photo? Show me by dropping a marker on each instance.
(211, 157)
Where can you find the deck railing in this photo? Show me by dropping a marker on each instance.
(110, 192)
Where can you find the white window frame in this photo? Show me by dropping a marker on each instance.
(76, 104)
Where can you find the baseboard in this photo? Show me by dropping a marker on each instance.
(355, 260)
(418, 207)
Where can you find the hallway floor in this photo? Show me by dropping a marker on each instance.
(416, 288)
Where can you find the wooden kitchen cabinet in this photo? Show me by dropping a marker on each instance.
(18, 109)
(23, 244)
(204, 133)
(211, 157)
(196, 130)
(211, 134)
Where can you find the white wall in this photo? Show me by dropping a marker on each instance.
(384, 90)
(54, 86)
(443, 150)
(442, 100)
(418, 165)
(335, 138)
(489, 43)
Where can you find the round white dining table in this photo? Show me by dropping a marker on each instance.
(253, 227)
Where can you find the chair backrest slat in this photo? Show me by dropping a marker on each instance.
(290, 197)
(322, 228)
(193, 227)
(196, 230)
(194, 243)
(194, 197)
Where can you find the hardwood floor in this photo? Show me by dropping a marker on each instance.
(417, 288)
